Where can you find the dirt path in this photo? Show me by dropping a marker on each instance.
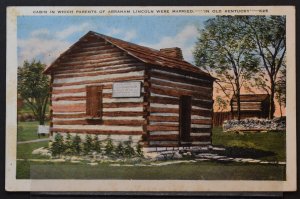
(33, 141)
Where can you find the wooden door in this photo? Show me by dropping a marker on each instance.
(185, 107)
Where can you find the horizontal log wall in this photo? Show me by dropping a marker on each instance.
(96, 63)
(255, 106)
(165, 90)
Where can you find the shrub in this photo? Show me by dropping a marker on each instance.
(57, 147)
(76, 145)
(68, 144)
(109, 147)
(138, 150)
(87, 145)
(120, 150)
(129, 151)
(96, 144)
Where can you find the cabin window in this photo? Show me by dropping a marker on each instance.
(94, 101)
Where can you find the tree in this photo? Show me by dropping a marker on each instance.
(221, 104)
(225, 50)
(269, 35)
(280, 90)
(33, 87)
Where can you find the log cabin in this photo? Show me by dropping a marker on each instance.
(105, 86)
(252, 106)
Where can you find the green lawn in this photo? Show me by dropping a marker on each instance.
(261, 144)
(27, 131)
(270, 146)
(192, 171)
(24, 151)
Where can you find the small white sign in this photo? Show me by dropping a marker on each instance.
(126, 89)
(43, 129)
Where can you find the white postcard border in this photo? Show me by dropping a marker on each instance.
(13, 184)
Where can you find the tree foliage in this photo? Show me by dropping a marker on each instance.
(33, 87)
(269, 35)
(225, 50)
(221, 103)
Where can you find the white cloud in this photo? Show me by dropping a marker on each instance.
(114, 31)
(126, 35)
(40, 32)
(184, 39)
(46, 49)
(71, 30)
(129, 35)
(46, 46)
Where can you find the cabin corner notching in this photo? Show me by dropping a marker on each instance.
(106, 86)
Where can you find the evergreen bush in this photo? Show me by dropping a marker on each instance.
(88, 144)
(109, 147)
(96, 144)
(76, 145)
(68, 144)
(120, 150)
(129, 151)
(57, 147)
(138, 150)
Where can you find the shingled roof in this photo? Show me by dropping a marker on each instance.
(251, 97)
(147, 55)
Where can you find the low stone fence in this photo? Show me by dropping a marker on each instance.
(255, 124)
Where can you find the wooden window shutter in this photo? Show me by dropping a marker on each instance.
(94, 101)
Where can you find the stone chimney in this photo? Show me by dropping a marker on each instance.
(172, 52)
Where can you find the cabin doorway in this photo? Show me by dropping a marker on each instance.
(185, 106)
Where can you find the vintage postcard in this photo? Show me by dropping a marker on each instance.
(151, 99)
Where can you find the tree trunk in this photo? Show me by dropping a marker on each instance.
(271, 105)
(41, 116)
(238, 105)
(280, 104)
(42, 121)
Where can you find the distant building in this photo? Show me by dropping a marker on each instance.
(252, 105)
(105, 86)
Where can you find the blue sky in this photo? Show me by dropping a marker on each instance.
(45, 37)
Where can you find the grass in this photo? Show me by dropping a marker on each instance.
(266, 146)
(27, 131)
(269, 145)
(24, 151)
(184, 171)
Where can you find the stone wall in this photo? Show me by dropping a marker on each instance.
(255, 124)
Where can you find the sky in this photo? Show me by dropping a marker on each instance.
(45, 37)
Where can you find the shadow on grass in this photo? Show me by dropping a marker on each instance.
(243, 152)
